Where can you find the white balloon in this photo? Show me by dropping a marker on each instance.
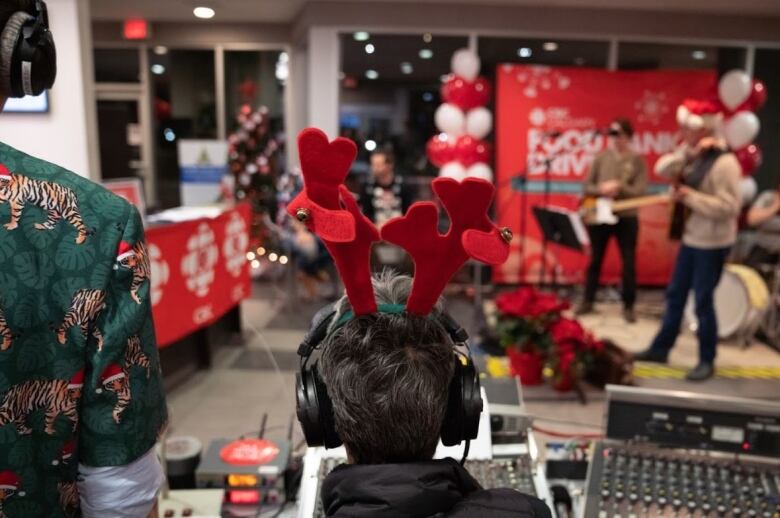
(741, 129)
(748, 189)
(454, 170)
(450, 119)
(465, 63)
(480, 170)
(479, 122)
(734, 88)
(682, 115)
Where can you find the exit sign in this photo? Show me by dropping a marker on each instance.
(136, 29)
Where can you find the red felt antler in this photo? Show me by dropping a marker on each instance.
(438, 257)
(330, 211)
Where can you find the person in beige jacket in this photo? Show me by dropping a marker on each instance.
(709, 189)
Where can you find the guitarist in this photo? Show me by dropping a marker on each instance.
(709, 189)
(618, 173)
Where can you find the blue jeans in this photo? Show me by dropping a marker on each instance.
(698, 269)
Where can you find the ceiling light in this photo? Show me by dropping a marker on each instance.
(370, 145)
(426, 54)
(550, 46)
(205, 13)
(361, 36)
(372, 74)
(427, 37)
(524, 52)
(160, 50)
(169, 134)
(158, 69)
(427, 97)
(370, 48)
(406, 68)
(699, 55)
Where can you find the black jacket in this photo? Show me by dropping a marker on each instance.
(437, 488)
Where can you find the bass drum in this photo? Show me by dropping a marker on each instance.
(741, 299)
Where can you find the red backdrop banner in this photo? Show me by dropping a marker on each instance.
(534, 102)
(199, 272)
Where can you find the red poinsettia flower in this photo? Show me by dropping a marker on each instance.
(526, 302)
(566, 330)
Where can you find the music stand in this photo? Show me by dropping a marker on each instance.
(562, 227)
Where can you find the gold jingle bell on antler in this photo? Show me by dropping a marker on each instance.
(506, 234)
(302, 215)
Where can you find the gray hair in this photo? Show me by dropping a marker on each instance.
(388, 377)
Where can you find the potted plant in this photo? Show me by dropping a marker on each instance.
(572, 353)
(524, 318)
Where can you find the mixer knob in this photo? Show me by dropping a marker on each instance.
(736, 511)
(721, 509)
(706, 507)
(633, 497)
(648, 499)
(605, 494)
(661, 501)
(677, 502)
(752, 512)
(691, 505)
(619, 495)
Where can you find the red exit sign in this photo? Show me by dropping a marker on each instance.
(136, 29)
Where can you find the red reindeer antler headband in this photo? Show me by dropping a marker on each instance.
(330, 211)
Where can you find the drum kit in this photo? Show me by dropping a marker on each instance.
(746, 301)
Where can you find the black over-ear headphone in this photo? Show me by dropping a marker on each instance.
(28, 58)
(315, 409)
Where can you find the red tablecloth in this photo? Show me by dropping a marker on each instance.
(199, 272)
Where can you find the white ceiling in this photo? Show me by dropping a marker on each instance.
(281, 11)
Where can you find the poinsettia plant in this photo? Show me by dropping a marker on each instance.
(573, 352)
(524, 317)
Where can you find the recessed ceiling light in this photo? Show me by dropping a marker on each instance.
(427, 37)
(372, 74)
(160, 50)
(361, 36)
(158, 69)
(205, 13)
(550, 46)
(370, 145)
(370, 48)
(524, 52)
(406, 68)
(426, 53)
(699, 55)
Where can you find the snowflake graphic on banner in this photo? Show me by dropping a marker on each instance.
(651, 107)
(235, 246)
(160, 273)
(199, 262)
(538, 79)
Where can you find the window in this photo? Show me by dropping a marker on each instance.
(117, 66)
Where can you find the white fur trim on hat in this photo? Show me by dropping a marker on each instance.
(114, 377)
(125, 255)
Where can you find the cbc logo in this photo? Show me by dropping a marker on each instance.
(160, 273)
(199, 262)
(235, 246)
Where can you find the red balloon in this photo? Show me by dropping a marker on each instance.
(470, 151)
(464, 94)
(440, 150)
(758, 95)
(750, 158)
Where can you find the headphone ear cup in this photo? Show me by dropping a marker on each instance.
(464, 405)
(331, 437)
(315, 410)
(9, 45)
(472, 401)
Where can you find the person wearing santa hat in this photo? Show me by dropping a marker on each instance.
(707, 192)
(60, 237)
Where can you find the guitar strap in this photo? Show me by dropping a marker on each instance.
(701, 167)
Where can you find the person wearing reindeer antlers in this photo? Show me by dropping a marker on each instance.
(391, 377)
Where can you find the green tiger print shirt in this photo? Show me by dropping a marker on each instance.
(80, 378)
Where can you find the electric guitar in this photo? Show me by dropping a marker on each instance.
(598, 210)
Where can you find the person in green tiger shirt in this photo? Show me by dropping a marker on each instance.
(81, 394)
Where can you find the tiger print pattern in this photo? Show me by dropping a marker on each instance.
(138, 263)
(134, 355)
(69, 497)
(52, 395)
(59, 202)
(84, 311)
(120, 387)
(6, 336)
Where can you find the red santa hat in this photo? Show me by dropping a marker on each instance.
(698, 113)
(66, 453)
(10, 480)
(125, 250)
(5, 174)
(112, 373)
(77, 381)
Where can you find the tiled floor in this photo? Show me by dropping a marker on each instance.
(230, 399)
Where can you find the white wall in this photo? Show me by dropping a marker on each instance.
(63, 136)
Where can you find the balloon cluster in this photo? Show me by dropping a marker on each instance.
(460, 149)
(740, 97)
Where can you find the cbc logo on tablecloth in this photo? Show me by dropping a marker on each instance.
(198, 264)
(160, 273)
(235, 245)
